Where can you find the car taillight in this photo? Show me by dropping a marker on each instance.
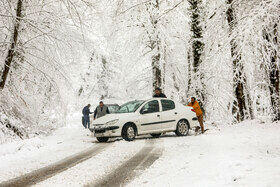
(193, 110)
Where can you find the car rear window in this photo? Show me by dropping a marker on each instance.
(167, 105)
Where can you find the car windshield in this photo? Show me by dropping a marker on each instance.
(130, 107)
(113, 108)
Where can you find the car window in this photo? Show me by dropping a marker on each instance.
(150, 107)
(167, 105)
(113, 108)
(129, 107)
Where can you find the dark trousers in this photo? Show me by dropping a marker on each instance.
(86, 121)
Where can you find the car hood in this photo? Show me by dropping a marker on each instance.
(110, 117)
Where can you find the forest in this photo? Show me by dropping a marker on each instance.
(56, 56)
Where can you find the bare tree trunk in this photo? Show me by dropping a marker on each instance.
(157, 80)
(155, 45)
(197, 44)
(189, 73)
(274, 77)
(102, 80)
(164, 68)
(239, 80)
(11, 52)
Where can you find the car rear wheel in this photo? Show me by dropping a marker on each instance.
(102, 139)
(182, 128)
(156, 135)
(129, 132)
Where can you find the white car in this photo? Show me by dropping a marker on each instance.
(154, 116)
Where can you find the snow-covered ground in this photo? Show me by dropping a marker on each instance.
(20, 157)
(247, 154)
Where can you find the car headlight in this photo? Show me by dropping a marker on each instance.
(111, 122)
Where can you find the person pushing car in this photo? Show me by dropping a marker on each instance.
(86, 112)
(101, 110)
(198, 112)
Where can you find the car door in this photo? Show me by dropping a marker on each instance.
(150, 116)
(168, 114)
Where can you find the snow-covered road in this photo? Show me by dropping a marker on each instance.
(246, 154)
(132, 167)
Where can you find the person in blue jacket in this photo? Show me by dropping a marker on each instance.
(86, 112)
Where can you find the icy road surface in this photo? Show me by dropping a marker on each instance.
(246, 154)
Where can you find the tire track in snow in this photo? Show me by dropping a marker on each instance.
(132, 167)
(44, 173)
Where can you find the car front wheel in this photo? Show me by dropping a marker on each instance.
(102, 139)
(129, 132)
(182, 128)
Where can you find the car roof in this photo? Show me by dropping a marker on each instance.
(153, 98)
(144, 100)
(158, 98)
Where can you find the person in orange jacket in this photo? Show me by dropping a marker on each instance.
(198, 112)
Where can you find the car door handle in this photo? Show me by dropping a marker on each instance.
(158, 115)
(176, 113)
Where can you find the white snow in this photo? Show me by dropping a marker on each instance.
(97, 167)
(20, 157)
(246, 154)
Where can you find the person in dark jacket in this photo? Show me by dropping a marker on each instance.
(101, 110)
(86, 112)
(158, 93)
